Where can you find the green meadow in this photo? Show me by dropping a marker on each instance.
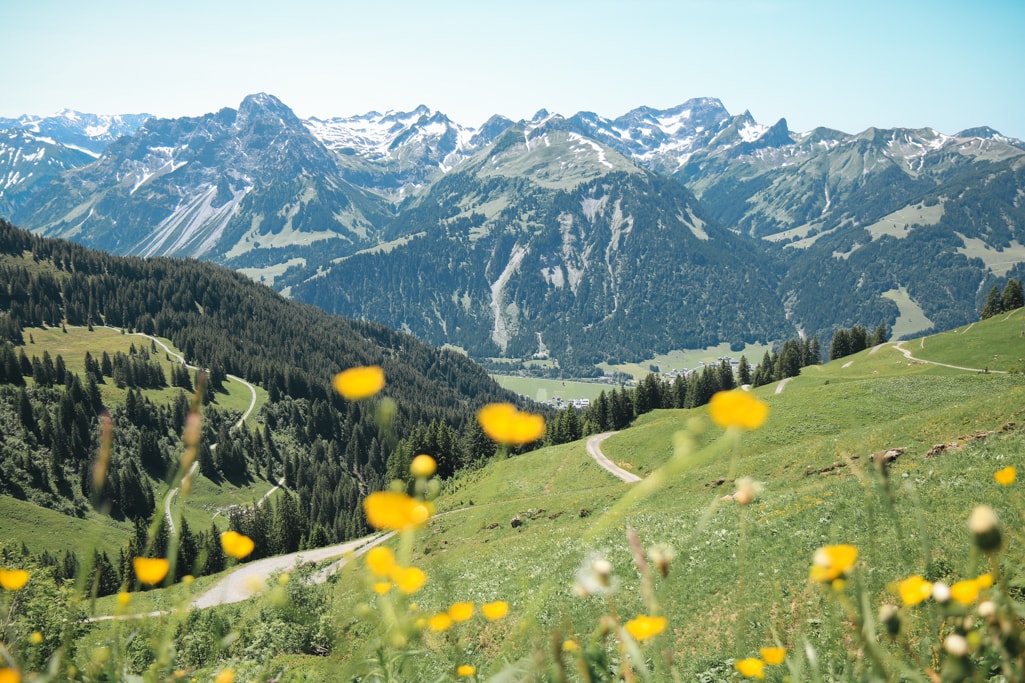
(739, 580)
(525, 529)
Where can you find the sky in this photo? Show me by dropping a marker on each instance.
(844, 65)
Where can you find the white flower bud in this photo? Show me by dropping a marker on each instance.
(955, 645)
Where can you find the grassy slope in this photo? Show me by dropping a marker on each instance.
(742, 574)
(43, 529)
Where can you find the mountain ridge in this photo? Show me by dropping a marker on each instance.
(288, 201)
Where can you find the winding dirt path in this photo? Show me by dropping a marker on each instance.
(173, 493)
(782, 383)
(238, 585)
(907, 354)
(594, 450)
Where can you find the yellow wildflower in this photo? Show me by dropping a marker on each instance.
(35, 638)
(644, 627)
(395, 511)
(1006, 476)
(13, 579)
(236, 545)
(984, 580)
(10, 676)
(493, 611)
(570, 646)
(382, 587)
(504, 423)
(423, 466)
(380, 560)
(440, 622)
(409, 579)
(466, 670)
(150, 570)
(751, 667)
(357, 383)
(123, 598)
(773, 656)
(737, 408)
(461, 611)
(965, 592)
(225, 676)
(914, 590)
(832, 561)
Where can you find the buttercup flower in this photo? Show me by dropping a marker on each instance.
(236, 545)
(423, 466)
(832, 561)
(737, 408)
(10, 676)
(382, 587)
(493, 611)
(504, 423)
(357, 383)
(409, 579)
(914, 590)
(394, 511)
(773, 656)
(380, 560)
(643, 627)
(466, 670)
(1006, 476)
(965, 592)
(751, 667)
(150, 570)
(440, 622)
(461, 611)
(35, 638)
(13, 579)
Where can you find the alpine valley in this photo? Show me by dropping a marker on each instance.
(582, 239)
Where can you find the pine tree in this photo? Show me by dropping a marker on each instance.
(744, 372)
(993, 305)
(1013, 296)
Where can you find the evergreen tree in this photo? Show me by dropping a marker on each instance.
(1013, 296)
(993, 304)
(841, 344)
(744, 372)
(880, 336)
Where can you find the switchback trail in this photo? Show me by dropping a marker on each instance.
(169, 498)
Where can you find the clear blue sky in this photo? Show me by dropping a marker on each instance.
(846, 65)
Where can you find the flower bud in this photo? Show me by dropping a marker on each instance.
(661, 556)
(955, 645)
(889, 617)
(985, 527)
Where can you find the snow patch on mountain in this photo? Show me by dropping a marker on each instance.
(586, 142)
(752, 131)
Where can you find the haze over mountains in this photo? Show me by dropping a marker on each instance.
(585, 239)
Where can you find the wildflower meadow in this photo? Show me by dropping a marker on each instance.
(472, 579)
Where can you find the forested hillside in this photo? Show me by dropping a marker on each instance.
(329, 451)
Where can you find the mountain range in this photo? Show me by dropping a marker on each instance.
(583, 239)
